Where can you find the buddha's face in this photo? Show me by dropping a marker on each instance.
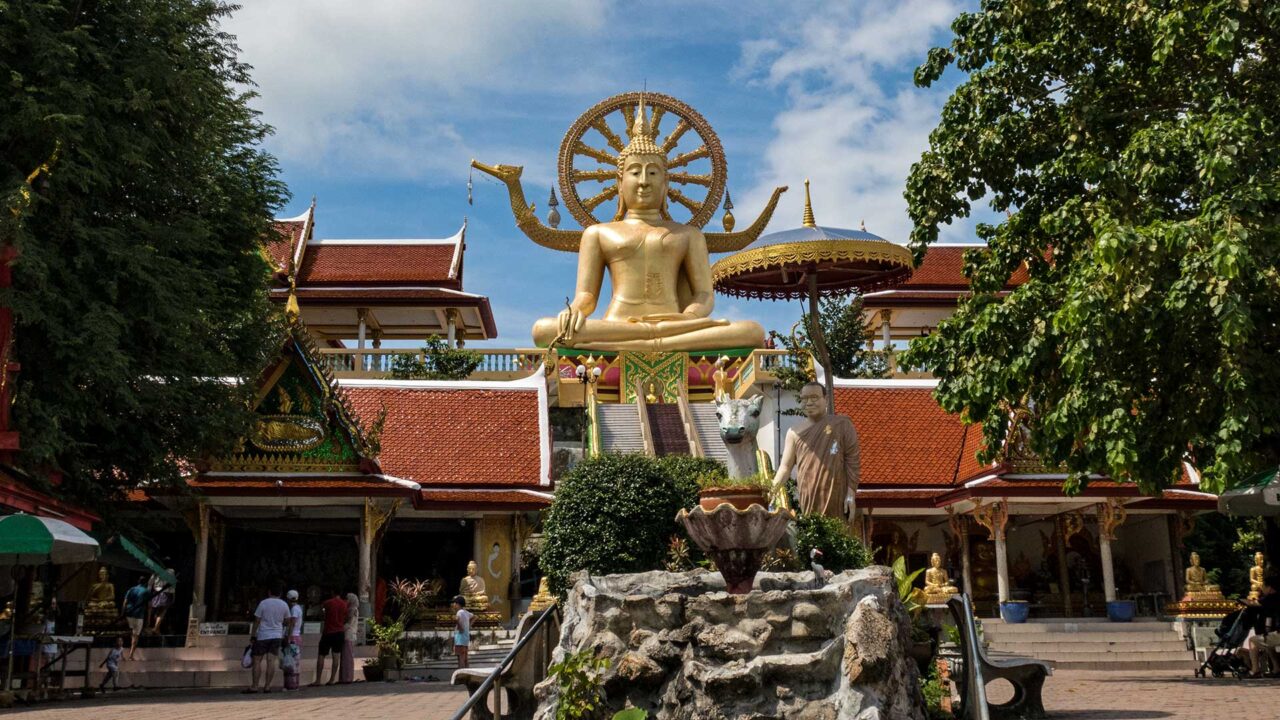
(935, 561)
(1195, 559)
(102, 574)
(471, 568)
(643, 185)
(1258, 559)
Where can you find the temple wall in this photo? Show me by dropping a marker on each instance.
(1142, 548)
(493, 553)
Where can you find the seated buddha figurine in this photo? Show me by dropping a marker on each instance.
(100, 605)
(472, 588)
(937, 586)
(1198, 586)
(659, 269)
(1255, 577)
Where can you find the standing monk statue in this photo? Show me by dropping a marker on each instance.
(824, 453)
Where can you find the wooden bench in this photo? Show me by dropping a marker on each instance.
(527, 669)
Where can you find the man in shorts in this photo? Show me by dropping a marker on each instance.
(332, 636)
(267, 634)
(134, 609)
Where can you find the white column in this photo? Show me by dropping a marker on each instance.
(363, 573)
(1108, 571)
(451, 329)
(202, 564)
(1002, 568)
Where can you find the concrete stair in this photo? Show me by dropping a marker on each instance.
(1092, 644)
(217, 664)
(619, 428)
(707, 426)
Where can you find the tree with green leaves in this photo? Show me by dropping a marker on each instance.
(848, 343)
(437, 361)
(140, 283)
(1133, 152)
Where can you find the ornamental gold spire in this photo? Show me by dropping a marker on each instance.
(642, 142)
(808, 220)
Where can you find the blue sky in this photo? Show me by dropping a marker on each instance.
(379, 105)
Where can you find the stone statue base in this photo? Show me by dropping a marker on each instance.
(1201, 605)
(938, 598)
(684, 648)
(446, 619)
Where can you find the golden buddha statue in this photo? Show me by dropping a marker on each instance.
(937, 586)
(659, 270)
(1255, 577)
(544, 599)
(1198, 581)
(472, 588)
(100, 605)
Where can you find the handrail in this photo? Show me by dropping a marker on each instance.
(482, 691)
(646, 432)
(686, 416)
(973, 694)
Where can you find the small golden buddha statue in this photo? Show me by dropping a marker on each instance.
(1198, 586)
(651, 397)
(1255, 577)
(659, 269)
(544, 599)
(472, 588)
(937, 586)
(100, 605)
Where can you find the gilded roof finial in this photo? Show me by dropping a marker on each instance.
(291, 309)
(808, 220)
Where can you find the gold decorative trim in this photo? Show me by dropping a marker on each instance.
(807, 252)
(262, 462)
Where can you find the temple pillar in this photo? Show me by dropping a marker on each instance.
(219, 532)
(361, 328)
(965, 573)
(1111, 515)
(374, 519)
(995, 518)
(494, 534)
(451, 328)
(202, 564)
(1064, 577)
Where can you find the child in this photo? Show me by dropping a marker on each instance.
(461, 631)
(112, 662)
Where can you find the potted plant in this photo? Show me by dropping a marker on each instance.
(386, 636)
(1014, 612)
(1120, 610)
(743, 492)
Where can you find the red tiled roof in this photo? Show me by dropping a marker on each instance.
(943, 268)
(280, 248)
(373, 262)
(439, 436)
(375, 293)
(907, 439)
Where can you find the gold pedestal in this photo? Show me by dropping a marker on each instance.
(1201, 605)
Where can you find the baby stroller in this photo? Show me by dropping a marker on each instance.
(1222, 659)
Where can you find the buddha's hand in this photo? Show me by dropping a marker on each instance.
(570, 321)
(677, 317)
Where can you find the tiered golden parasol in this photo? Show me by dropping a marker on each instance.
(813, 261)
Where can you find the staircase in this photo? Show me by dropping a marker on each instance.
(707, 426)
(667, 428)
(619, 428)
(1092, 643)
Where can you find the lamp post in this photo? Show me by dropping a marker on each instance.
(588, 373)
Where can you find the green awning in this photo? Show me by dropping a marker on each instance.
(33, 539)
(1259, 495)
(120, 551)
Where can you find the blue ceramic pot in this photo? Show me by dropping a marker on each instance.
(1015, 611)
(1120, 610)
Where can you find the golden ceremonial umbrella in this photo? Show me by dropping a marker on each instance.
(812, 261)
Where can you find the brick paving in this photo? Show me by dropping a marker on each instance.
(1069, 695)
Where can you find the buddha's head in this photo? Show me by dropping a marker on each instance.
(102, 574)
(642, 169)
(1195, 559)
(1258, 559)
(935, 560)
(472, 568)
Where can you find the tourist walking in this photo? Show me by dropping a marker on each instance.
(291, 653)
(332, 636)
(161, 600)
(267, 634)
(112, 663)
(1266, 637)
(350, 631)
(461, 631)
(134, 609)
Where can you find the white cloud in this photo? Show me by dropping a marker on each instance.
(854, 122)
(380, 87)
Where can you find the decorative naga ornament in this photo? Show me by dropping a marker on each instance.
(642, 194)
(553, 217)
(728, 221)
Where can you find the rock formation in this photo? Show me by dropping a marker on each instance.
(683, 648)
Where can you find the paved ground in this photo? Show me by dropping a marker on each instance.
(1069, 695)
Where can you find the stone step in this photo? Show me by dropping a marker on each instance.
(996, 628)
(1093, 637)
(1176, 665)
(1051, 650)
(707, 426)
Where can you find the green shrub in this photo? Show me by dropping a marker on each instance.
(840, 550)
(439, 362)
(688, 472)
(578, 678)
(617, 514)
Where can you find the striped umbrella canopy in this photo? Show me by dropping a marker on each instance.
(812, 261)
(32, 540)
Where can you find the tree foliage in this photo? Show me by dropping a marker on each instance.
(616, 514)
(1134, 148)
(438, 362)
(140, 282)
(848, 343)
